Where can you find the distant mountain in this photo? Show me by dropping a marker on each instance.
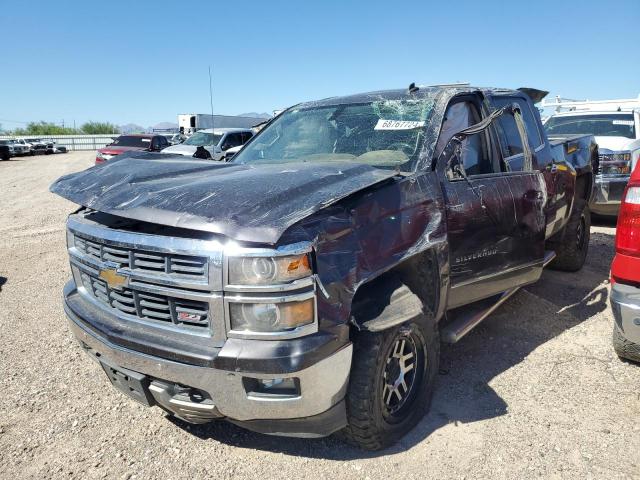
(255, 115)
(164, 125)
(132, 128)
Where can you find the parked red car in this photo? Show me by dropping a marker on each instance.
(126, 143)
(625, 273)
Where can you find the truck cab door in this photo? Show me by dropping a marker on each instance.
(495, 212)
(558, 174)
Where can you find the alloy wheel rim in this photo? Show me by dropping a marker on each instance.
(400, 375)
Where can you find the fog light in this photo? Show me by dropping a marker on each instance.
(277, 384)
(285, 387)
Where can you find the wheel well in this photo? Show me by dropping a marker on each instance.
(584, 185)
(420, 274)
(584, 181)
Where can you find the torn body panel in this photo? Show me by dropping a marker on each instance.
(366, 235)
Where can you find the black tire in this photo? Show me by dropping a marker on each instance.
(571, 249)
(375, 423)
(623, 347)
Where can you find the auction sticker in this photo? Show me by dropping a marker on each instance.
(628, 123)
(397, 125)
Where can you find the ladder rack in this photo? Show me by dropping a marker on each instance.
(616, 105)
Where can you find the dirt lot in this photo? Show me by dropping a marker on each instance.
(535, 391)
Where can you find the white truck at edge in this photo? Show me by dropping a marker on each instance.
(616, 127)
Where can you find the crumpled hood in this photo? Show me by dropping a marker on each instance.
(254, 203)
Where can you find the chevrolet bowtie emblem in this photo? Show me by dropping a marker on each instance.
(113, 279)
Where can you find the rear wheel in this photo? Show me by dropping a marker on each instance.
(571, 250)
(391, 383)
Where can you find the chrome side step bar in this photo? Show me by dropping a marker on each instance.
(464, 319)
(549, 255)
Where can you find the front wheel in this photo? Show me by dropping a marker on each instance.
(392, 382)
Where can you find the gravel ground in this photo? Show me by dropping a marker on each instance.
(535, 391)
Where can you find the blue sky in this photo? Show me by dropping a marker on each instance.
(144, 62)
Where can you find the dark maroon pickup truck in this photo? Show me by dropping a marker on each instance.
(304, 287)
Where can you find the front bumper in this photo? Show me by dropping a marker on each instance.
(625, 303)
(317, 409)
(608, 194)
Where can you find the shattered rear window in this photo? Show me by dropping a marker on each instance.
(382, 133)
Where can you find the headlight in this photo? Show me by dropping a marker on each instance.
(271, 317)
(268, 270)
(615, 163)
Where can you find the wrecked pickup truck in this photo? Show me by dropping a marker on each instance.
(304, 287)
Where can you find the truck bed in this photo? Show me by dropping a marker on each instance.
(581, 151)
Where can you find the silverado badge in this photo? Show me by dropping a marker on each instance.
(113, 279)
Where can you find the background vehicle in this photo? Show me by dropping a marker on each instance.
(230, 152)
(38, 146)
(19, 149)
(128, 143)
(27, 147)
(7, 149)
(625, 274)
(215, 141)
(189, 123)
(305, 286)
(174, 138)
(616, 126)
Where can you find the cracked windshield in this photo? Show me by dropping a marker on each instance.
(385, 134)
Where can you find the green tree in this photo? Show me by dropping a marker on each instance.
(97, 128)
(44, 128)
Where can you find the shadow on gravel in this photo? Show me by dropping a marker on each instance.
(3, 280)
(584, 293)
(529, 319)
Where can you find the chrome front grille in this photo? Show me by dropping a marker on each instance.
(148, 306)
(617, 163)
(141, 260)
(169, 282)
(165, 278)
